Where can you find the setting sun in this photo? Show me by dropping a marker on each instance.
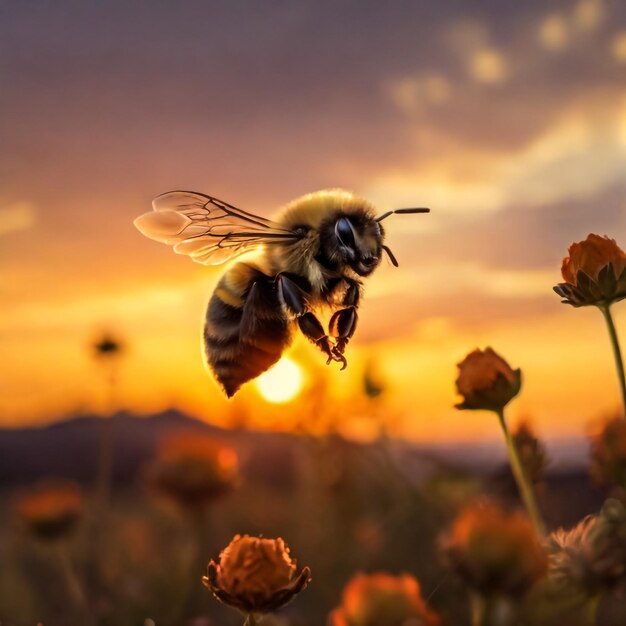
(282, 382)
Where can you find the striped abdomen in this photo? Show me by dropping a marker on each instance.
(246, 329)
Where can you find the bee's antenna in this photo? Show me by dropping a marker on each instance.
(402, 212)
(392, 258)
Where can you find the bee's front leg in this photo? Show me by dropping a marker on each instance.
(294, 298)
(343, 322)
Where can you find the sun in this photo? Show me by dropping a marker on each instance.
(282, 382)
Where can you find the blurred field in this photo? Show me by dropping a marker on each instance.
(341, 506)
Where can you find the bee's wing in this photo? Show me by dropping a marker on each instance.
(208, 230)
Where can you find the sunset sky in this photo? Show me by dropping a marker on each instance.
(508, 119)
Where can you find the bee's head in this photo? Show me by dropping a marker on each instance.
(354, 240)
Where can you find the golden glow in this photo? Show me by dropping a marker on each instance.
(618, 47)
(553, 32)
(280, 383)
(488, 66)
(589, 14)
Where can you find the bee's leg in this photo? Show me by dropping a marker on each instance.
(294, 299)
(343, 322)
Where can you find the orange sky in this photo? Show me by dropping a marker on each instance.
(508, 121)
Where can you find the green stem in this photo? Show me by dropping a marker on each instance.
(525, 489)
(73, 584)
(478, 607)
(250, 620)
(617, 353)
(592, 609)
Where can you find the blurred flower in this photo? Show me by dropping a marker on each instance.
(493, 551)
(381, 599)
(608, 454)
(594, 273)
(107, 346)
(193, 470)
(531, 451)
(373, 383)
(50, 510)
(592, 555)
(255, 575)
(486, 381)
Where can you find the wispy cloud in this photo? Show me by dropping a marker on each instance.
(16, 217)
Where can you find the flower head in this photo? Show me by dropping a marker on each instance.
(50, 510)
(494, 551)
(594, 273)
(193, 470)
(380, 599)
(107, 346)
(255, 575)
(486, 381)
(608, 454)
(592, 555)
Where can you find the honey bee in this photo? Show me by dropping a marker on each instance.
(312, 255)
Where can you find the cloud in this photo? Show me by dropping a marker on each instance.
(488, 66)
(589, 14)
(618, 47)
(16, 217)
(554, 32)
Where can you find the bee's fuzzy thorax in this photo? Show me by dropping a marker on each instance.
(310, 212)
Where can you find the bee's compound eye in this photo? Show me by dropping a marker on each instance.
(345, 232)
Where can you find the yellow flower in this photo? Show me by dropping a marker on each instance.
(594, 273)
(486, 381)
(193, 470)
(50, 510)
(255, 575)
(493, 551)
(608, 454)
(381, 599)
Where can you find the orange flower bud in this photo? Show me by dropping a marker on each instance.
(486, 381)
(255, 575)
(381, 599)
(594, 273)
(493, 551)
(50, 510)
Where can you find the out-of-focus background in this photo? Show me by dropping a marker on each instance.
(508, 119)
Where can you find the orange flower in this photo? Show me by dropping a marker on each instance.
(494, 551)
(594, 273)
(50, 510)
(608, 454)
(255, 575)
(193, 470)
(486, 381)
(381, 599)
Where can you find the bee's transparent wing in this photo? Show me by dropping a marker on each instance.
(208, 230)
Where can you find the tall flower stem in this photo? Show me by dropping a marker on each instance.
(73, 584)
(592, 609)
(524, 486)
(478, 608)
(617, 353)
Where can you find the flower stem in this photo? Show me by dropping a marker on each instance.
(250, 620)
(592, 609)
(525, 489)
(478, 607)
(619, 363)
